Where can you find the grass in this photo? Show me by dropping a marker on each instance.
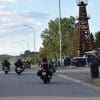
(95, 81)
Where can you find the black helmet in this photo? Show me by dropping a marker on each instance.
(19, 60)
(5, 60)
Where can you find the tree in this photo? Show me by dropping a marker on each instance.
(50, 37)
(97, 40)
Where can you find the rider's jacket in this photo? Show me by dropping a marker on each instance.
(19, 64)
(7, 64)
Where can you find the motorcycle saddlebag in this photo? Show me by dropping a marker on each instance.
(39, 72)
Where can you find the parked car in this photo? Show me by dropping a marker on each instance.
(79, 61)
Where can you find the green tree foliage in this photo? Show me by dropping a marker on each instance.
(5, 57)
(97, 40)
(50, 37)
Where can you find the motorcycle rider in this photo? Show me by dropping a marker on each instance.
(52, 66)
(5, 63)
(19, 63)
(28, 64)
(46, 66)
(45, 72)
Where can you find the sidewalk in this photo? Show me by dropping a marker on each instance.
(73, 69)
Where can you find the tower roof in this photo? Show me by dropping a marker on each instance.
(82, 2)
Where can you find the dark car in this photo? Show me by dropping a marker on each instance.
(79, 61)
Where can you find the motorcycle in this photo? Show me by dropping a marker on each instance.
(52, 69)
(18, 70)
(6, 70)
(44, 75)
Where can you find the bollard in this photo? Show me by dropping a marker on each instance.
(94, 70)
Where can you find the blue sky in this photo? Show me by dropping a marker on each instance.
(14, 14)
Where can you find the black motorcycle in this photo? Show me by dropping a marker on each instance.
(44, 75)
(6, 70)
(52, 70)
(18, 70)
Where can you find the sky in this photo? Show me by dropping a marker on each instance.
(22, 20)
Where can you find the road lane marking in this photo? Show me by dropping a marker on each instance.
(79, 82)
(69, 78)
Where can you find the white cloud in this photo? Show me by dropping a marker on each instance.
(12, 50)
(17, 0)
(3, 30)
(7, 0)
(9, 19)
(12, 29)
(2, 7)
(95, 4)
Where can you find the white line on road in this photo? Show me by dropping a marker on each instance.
(78, 81)
(69, 78)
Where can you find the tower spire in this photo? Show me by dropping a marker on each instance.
(84, 41)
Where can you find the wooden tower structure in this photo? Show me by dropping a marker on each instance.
(84, 41)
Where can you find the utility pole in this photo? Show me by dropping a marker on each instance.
(60, 36)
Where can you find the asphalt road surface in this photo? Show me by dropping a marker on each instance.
(63, 86)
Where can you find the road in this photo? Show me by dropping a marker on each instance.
(28, 86)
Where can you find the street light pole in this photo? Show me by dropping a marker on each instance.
(34, 40)
(60, 32)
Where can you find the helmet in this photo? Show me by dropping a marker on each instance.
(5, 60)
(19, 60)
